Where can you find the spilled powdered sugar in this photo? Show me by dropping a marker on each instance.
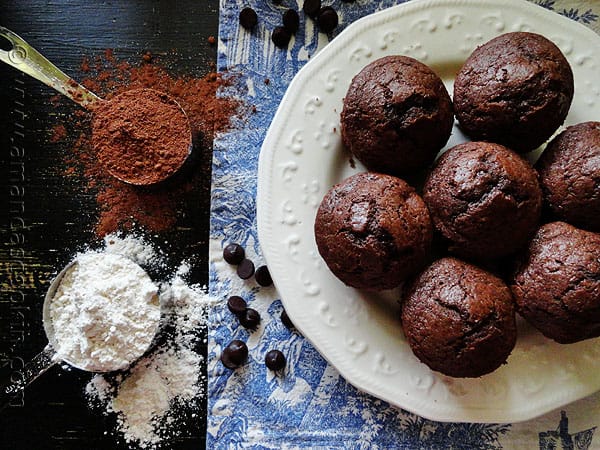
(134, 247)
(149, 398)
(104, 313)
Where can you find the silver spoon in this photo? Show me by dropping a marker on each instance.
(25, 58)
(48, 357)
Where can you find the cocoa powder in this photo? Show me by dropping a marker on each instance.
(59, 133)
(141, 136)
(122, 206)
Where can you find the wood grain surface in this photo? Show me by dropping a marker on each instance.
(46, 218)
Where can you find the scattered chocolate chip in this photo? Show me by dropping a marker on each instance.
(267, 81)
(285, 320)
(275, 360)
(234, 253)
(250, 318)
(281, 37)
(237, 305)
(212, 40)
(248, 18)
(327, 19)
(263, 277)
(291, 21)
(245, 269)
(311, 7)
(235, 354)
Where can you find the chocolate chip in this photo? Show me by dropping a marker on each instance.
(237, 305)
(263, 277)
(234, 253)
(291, 21)
(248, 18)
(275, 360)
(245, 269)
(327, 19)
(235, 354)
(281, 37)
(250, 318)
(311, 7)
(285, 320)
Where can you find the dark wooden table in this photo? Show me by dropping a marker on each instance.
(45, 218)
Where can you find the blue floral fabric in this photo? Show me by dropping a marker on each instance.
(311, 405)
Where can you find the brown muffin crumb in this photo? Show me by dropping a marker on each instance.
(459, 319)
(569, 172)
(484, 198)
(397, 115)
(515, 90)
(557, 283)
(373, 231)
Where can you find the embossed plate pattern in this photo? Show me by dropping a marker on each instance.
(302, 157)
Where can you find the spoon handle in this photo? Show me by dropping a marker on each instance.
(20, 379)
(28, 60)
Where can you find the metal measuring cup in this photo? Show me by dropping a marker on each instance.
(25, 58)
(48, 357)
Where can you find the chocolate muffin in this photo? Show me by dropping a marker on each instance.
(373, 231)
(459, 319)
(515, 90)
(557, 283)
(484, 198)
(397, 115)
(569, 172)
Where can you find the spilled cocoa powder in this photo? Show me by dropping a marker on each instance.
(59, 133)
(122, 206)
(141, 136)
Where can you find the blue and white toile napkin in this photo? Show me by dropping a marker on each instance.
(312, 406)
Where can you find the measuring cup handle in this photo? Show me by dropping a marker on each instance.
(20, 379)
(28, 60)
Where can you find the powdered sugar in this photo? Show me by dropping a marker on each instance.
(187, 304)
(99, 388)
(149, 398)
(105, 312)
(139, 407)
(148, 393)
(133, 247)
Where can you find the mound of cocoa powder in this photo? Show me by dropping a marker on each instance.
(141, 136)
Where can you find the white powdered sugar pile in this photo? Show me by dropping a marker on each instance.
(148, 399)
(143, 402)
(105, 312)
(133, 247)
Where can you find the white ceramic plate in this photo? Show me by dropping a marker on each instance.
(302, 157)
